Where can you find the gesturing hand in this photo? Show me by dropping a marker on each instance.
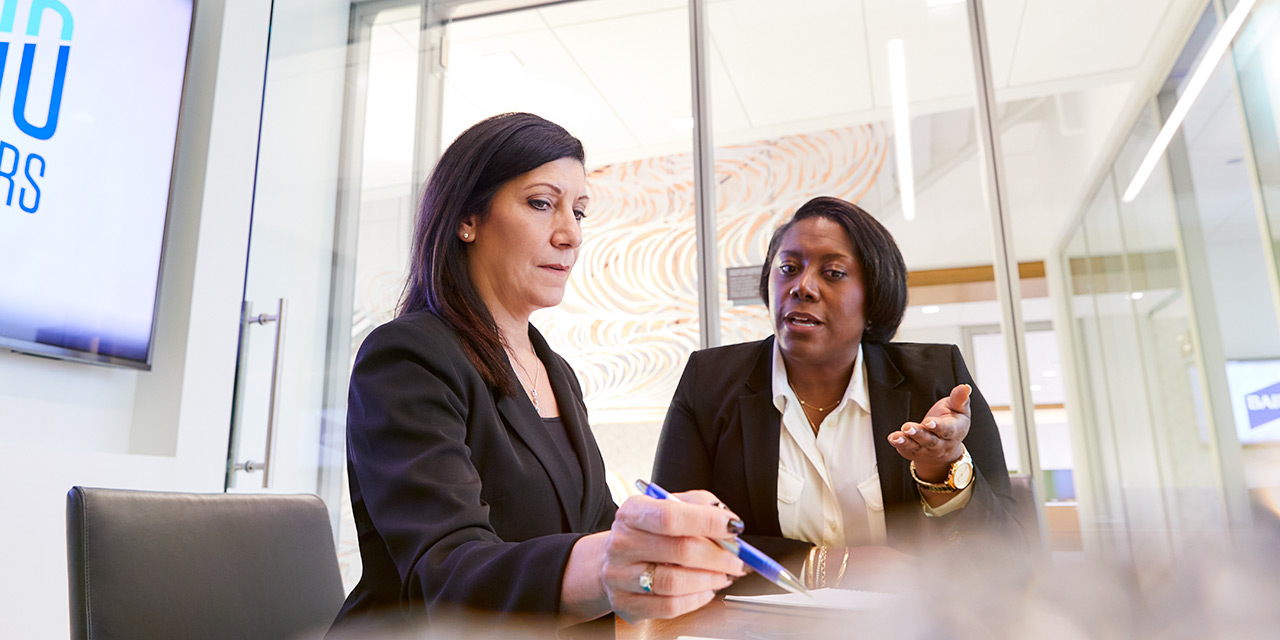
(935, 442)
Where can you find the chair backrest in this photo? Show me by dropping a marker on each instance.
(181, 565)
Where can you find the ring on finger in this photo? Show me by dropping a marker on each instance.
(646, 578)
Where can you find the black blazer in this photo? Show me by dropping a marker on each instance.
(459, 495)
(722, 434)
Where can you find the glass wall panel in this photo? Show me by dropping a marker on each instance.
(1099, 518)
(1184, 290)
(616, 75)
(1132, 436)
(871, 102)
(791, 121)
(1188, 479)
(1058, 120)
(1192, 487)
(1256, 54)
(285, 402)
(391, 39)
(386, 52)
(1217, 199)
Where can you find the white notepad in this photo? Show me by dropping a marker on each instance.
(828, 600)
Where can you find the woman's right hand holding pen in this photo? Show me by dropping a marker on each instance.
(668, 547)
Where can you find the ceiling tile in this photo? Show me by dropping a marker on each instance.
(492, 26)
(570, 13)
(640, 65)
(1066, 38)
(546, 81)
(802, 61)
(939, 58)
(1004, 28)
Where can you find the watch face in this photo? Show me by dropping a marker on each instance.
(962, 475)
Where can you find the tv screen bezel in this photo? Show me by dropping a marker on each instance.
(68, 354)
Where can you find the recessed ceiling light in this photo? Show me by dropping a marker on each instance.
(932, 308)
(682, 124)
(1136, 295)
(1048, 373)
(1035, 387)
(940, 3)
(902, 127)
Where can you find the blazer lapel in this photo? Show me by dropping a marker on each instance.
(890, 407)
(523, 419)
(573, 414)
(761, 431)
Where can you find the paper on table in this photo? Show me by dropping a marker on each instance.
(834, 600)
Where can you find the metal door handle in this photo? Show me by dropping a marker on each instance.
(273, 405)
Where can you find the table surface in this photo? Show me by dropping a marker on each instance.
(716, 620)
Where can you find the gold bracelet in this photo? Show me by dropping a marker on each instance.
(810, 568)
(844, 564)
(822, 567)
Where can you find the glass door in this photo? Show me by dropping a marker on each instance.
(290, 400)
(335, 179)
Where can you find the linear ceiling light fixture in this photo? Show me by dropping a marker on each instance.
(902, 127)
(1226, 33)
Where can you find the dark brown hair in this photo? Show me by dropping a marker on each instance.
(469, 173)
(884, 273)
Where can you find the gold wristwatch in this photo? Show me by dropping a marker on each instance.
(958, 477)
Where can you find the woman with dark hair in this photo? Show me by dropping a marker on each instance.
(475, 481)
(828, 437)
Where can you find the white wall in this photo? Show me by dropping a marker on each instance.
(65, 424)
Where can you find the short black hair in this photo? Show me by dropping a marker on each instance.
(465, 180)
(884, 273)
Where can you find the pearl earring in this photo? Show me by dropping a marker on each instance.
(465, 236)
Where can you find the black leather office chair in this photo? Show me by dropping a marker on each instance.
(180, 565)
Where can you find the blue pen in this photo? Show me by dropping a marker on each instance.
(751, 556)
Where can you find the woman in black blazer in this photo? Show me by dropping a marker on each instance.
(475, 481)
(909, 414)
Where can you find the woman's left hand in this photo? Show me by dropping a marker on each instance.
(935, 442)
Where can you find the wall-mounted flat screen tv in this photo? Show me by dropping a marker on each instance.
(90, 92)
(1255, 399)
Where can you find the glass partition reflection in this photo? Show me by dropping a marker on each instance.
(873, 103)
(1189, 486)
(616, 75)
(1100, 517)
(1256, 54)
(1180, 265)
(1221, 206)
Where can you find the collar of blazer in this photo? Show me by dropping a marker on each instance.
(524, 420)
(762, 425)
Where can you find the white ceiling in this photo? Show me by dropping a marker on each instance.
(616, 74)
(777, 68)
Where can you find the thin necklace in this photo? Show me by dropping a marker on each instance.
(533, 388)
(806, 404)
(811, 424)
